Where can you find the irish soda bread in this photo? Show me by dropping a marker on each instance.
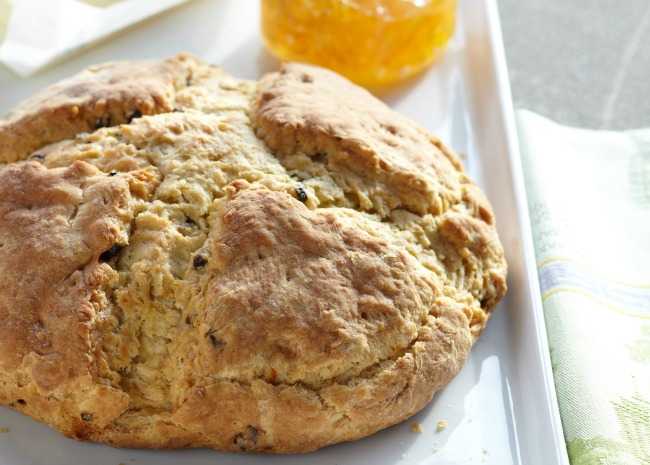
(193, 260)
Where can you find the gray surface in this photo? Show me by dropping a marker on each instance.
(580, 62)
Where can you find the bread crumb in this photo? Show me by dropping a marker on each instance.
(416, 427)
(441, 426)
(4, 429)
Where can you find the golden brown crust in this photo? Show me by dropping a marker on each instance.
(103, 95)
(308, 109)
(271, 267)
(302, 296)
(54, 227)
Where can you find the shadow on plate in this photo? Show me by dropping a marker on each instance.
(256, 62)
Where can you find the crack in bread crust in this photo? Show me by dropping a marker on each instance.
(251, 249)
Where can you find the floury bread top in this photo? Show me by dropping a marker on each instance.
(193, 260)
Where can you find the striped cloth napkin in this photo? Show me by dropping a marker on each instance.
(589, 200)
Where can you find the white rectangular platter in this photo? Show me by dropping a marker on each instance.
(501, 409)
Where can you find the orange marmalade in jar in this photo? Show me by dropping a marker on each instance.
(372, 42)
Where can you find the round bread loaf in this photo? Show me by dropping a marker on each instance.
(193, 260)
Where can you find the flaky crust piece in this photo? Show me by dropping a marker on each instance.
(193, 260)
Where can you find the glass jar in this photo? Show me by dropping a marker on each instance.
(372, 42)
